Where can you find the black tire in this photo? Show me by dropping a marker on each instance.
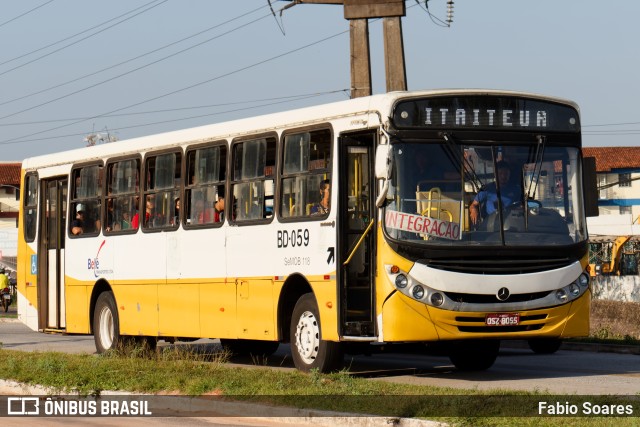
(106, 325)
(308, 349)
(545, 345)
(250, 347)
(474, 355)
(5, 304)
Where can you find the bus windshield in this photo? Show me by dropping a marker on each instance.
(510, 194)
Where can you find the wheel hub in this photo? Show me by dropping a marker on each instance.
(307, 337)
(106, 328)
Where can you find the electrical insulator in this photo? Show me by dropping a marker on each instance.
(449, 11)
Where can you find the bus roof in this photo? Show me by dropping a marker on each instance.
(363, 106)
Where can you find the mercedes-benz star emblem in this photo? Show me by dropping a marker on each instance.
(503, 294)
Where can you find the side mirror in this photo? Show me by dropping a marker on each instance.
(589, 183)
(383, 165)
(383, 171)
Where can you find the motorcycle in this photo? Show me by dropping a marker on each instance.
(5, 295)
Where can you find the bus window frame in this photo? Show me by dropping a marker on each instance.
(134, 194)
(232, 181)
(188, 187)
(73, 201)
(281, 176)
(26, 207)
(145, 191)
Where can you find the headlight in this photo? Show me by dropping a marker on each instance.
(583, 280)
(401, 281)
(418, 292)
(437, 299)
(574, 290)
(561, 294)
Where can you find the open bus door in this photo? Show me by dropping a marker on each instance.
(51, 244)
(356, 235)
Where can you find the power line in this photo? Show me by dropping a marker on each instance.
(169, 110)
(82, 39)
(612, 124)
(285, 100)
(25, 13)
(133, 70)
(184, 88)
(129, 60)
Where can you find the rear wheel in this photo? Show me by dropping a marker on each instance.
(247, 347)
(474, 355)
(5, 304)
(308, 349)
(106, 327)
(545, 345)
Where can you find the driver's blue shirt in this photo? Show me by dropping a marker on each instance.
(489, 197)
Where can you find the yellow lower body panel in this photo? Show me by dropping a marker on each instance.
(137, 308)
(406, 320)
(552, 322)
(77, 296)
(578, 318)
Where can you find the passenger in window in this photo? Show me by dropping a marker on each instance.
(322, 207)
(176, 212)
(200, 213)
(111, 224)
(151, 217)
(218, 210)
(77, 225)
(125, 224)
(135, 221)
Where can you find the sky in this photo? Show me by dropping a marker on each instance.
(70, 68)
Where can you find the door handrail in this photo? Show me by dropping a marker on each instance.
(353, 252)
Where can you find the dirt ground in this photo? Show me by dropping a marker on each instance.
(614, 319)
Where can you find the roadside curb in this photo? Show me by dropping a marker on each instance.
(281, 415)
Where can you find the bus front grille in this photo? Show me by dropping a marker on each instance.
(492, 299)
(499, 265)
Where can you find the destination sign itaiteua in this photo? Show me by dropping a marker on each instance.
(485, 112)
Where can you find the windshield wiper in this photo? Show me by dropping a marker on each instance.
(539, 155)
(453, 148)
(537, 169)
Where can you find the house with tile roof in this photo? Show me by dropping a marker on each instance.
(618, 171)
(9, 207)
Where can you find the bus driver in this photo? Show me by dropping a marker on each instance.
(487, 198)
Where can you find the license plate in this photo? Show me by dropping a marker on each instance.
(6, 296)
(502, 319)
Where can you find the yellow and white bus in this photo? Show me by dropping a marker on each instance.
(368, 222)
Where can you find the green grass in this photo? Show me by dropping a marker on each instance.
(176, 371)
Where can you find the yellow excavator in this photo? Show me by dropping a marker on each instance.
(613, 266)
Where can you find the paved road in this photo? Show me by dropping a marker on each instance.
(566, 372)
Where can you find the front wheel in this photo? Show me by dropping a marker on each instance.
(106, 326)
(308, 349)
(474, 355)
(545, 345)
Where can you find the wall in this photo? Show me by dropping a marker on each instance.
(616, 288)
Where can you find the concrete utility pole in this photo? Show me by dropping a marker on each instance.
(358, 12)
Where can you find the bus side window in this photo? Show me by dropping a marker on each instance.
(162, 171)
(30, 201)
(205, 186)
(305, 175)
(123, 200)
(252, 186)
(85, 214)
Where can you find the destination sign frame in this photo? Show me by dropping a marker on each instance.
(472, 112)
